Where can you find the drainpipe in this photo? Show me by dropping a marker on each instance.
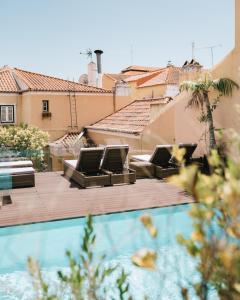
(114, 97)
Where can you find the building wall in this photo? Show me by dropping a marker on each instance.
(111, 138)
(90, 108)
(146, 92)
(107, 82)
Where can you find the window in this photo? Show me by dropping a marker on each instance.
(7, 113)
(45, 106)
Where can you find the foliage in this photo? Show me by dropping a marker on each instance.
(86, 279)
(24, 141)
(215, 240)
(200, 98)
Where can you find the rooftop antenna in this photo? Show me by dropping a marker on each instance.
(193, 50)
(202, 48)
(88, 53)
(131, 54)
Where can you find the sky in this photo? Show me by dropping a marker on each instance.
(47, 36)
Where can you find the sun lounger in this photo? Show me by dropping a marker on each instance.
(161, 163)
(16, 177)
(190, 148)
(113, 163)
(155, 165)
(86, 170)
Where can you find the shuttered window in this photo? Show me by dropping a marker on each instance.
(7, 114)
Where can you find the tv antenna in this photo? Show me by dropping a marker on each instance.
(211, 48)
(88, 53)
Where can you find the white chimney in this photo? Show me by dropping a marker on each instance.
(99, 67)
(92, 74)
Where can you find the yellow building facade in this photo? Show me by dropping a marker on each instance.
(52, 104)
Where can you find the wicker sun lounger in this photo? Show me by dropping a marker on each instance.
(86, 170)
(155, 165)
(114, 164)
(17, 177)
(190, 148)
(161, 163)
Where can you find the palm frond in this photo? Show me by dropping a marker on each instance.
(224, 86)
(197, 99)
(188, 86)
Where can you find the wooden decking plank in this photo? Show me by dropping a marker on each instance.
(54, 198)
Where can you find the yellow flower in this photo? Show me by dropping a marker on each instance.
(147, 222)
(145, 259)
(197, 236)
(237, 287)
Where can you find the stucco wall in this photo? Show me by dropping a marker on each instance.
(107, 82)
(90, 108)
(111, 138)
(146, 92)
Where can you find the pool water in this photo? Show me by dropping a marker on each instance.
(119, 236)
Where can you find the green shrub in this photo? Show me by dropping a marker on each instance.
(24, 141)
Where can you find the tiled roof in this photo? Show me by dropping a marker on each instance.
(139, 69)
(8, 82)
(116, 76)
(13, 80)
(68, 139)
(139, 76)
(169, 75)
(131, 119)
(70, 143)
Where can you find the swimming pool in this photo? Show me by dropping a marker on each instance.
(118, 236)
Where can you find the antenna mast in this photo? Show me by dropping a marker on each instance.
(88, 52)
(202, 48)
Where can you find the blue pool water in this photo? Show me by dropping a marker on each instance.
(119, 236)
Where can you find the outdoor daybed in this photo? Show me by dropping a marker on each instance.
(16, 177)
(86, 170)
(113, 163)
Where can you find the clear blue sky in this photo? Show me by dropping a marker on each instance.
(47, 35)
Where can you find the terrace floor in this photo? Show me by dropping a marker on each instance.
(55, 198)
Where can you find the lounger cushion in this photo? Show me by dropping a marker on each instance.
(72, 163)
(16, 164)
(115, 157)
(142, 157)
(161, 155)
(190, 148)
(89, 160)
(16, 171)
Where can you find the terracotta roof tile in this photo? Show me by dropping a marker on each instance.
(8, 82)
(13, 80)
(168, 75)
(139, 69)
(131, 119)
(116, 76)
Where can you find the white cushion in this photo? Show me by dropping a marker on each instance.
(16, 164)
(16, 171)
(142, 157)
(72, 163)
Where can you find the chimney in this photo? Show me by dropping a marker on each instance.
(92, 74)
(237, 24)
(99, 67)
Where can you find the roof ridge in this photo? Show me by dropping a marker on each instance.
(57, 78)
(25, 80)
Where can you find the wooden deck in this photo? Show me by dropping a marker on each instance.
(55, 198)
